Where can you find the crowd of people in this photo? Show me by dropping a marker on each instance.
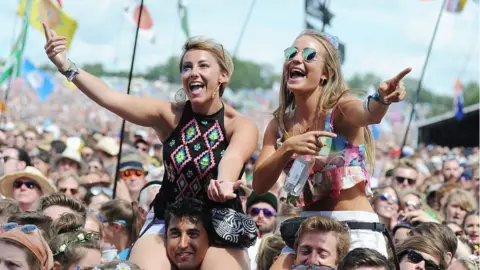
(196, 191)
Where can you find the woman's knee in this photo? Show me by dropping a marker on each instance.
(149, 253)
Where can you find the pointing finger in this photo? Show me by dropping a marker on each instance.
(47, 33)
(400, 75)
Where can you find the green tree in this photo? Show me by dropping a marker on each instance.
(471, 92)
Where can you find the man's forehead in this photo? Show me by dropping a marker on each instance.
(186, 222)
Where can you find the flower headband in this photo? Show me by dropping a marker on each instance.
(120, 266)
(79, 238)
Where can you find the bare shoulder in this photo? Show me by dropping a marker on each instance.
(171, 118)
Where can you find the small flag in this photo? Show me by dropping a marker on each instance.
(183, 14)
(56, 18)
(38, 80)
(455, 6)
(458, 100)
(132, 11)
(3, 106)
(59, 3)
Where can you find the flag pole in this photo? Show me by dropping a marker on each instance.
(420, 81)
(244, 27)
(130, 75)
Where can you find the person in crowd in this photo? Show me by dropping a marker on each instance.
(8, 207)
(31, 142)
(41, 161)
(205, 143)
(411, 201)
(418, 252)
(68, 183)
(57, 204)
(400, 232)
(26, 187)
(188, 228)
(69, 161)
(443, 238)
(451, 170)
(465, 264)
(146, 196)
(317, 114)
(95, 165)
(96, 197)
(364, 258)
(121, 225)
(74, 248)
(270, 247)
(320, 241)
(133, 174)
(115, 265)
(24, 247)
(471, 226)
(14, 160)
(406, 175)
(386, 205)
(457, 205)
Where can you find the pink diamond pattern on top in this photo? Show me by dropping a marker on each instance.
(204, 162)
(195, 186)
(190, 132)
(214, 136)
(182, 184)
(180, 157)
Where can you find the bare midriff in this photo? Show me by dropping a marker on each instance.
(353, 199)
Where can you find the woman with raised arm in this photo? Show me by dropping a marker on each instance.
(319, 119)
(206, 143)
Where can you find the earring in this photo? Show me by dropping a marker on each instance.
(323, 82)
(180, 96)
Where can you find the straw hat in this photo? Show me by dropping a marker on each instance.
(108, 145)
(71, 154)
(6, 181)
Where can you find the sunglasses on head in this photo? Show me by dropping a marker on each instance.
(308, 54)
(29, 184)
(386, 197)
(23, 228)
(412, 204)
(266, 212)
(311, 267)
(101, 190)
(415, 257)
(401, 179)
(128, 174)
(73, 191)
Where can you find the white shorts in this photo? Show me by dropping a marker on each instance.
(152, 224)
(358, 238)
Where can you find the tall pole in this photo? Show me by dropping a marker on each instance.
(244, 27)
(420, 81)
(130, 75)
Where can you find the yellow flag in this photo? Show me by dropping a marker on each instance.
(3, 106)
(46, 11)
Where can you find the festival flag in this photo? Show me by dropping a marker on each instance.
(14, 62)
(60, 3)
(38, 80)
(455, 6)
(458, 100)
(132, 12)
(183, 14)
(56, 18)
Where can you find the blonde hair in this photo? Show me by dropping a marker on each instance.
(270, 247)
(62, 200)
(465, 200)
(119, 209)
(333, 90)
(223, 58)
(326, 224)
(65, 175)
(422, 244)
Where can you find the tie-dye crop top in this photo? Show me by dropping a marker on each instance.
(342, 165)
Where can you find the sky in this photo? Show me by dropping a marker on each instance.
(382, 37)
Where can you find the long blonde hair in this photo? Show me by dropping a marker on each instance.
(333, 90)
(270, 247)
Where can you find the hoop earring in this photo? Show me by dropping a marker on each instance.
(323, 82)
(180, 96)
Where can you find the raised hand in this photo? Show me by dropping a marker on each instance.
(393, 90)
(56, 49)
(221, 190)
(308, 143)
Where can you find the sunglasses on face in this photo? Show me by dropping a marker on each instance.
(72, 191)
(401, 179)
(412, 204)
(385, 197)
(23, 228)
(101, 190)
(128, 174)
(266, 212)
(311, 267)
(7, 158)
(29, 184)
(308, 54)
(415, 257)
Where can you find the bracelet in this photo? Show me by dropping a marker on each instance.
(71, 72)
(377, 97)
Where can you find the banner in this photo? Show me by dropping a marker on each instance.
(183, 14)
(458, 100)
(455, 6)
(56, 18)
(38, 80)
